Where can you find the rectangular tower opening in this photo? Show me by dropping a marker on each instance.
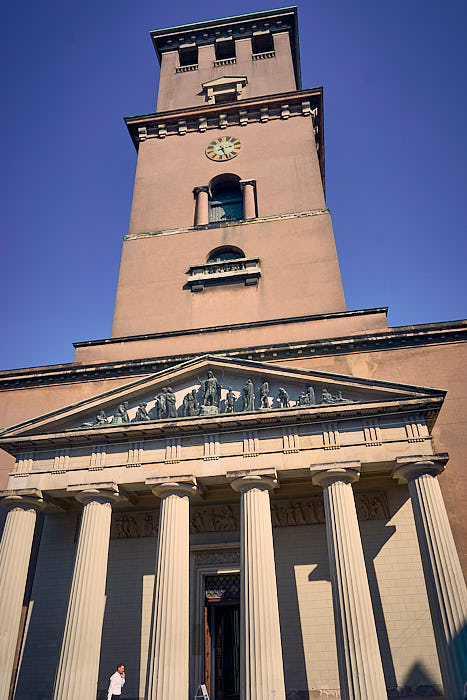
(262, 42)
(188, 55)
(225, 48)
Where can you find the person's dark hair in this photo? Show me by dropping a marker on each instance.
(119, 666)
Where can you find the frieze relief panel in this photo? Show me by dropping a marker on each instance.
(226, 518)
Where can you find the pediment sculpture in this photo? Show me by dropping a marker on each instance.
(210, 398)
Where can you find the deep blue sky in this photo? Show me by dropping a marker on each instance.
(393, 73)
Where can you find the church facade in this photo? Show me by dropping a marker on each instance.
(247, 490)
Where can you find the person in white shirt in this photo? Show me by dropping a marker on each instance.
(117, 681)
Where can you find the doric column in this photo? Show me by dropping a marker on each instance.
(201, 195)
(78, 666)
(15, 551)
(447, 594)
(249, 205)
(168, 672)
(360, 668)
(261, 666)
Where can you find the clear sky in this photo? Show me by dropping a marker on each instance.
(394, 77)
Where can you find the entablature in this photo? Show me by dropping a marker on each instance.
(299, 103)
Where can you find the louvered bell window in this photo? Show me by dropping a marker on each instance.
(226, 206)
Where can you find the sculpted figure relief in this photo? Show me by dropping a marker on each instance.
(283, 398)
(230, 400)
(210, 404)
(99, 420)
(327, 397)
(211, 390)
(120, 415)
(190, 404)
(170, 403)
(264, 394)
(311, 395)
(249, 396)
(141, 413)
(161, 404)
(226, 518)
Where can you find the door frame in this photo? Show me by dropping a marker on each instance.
(202, 570)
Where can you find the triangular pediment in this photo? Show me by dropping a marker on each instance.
(236, 390)
(225, 80)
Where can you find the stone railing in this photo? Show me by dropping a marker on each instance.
(264, 54)
(242, 269)
(185, 69)
(224, 62)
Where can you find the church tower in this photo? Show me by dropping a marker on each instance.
(243, 477)
(229, 222)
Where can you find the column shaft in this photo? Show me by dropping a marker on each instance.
(360, 668)
(249, 205)
(80, 653)
(169, 654)
(15, 551)
(261, 668)
(445, 583)
(201, 205)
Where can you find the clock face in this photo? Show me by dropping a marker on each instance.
(224, 148)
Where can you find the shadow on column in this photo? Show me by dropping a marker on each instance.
(372, 544)
(47, 608)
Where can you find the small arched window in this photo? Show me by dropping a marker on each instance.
(225, 252)
(226, 202)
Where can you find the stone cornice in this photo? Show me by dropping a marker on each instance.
(254, 110)
(227, 224)
(236, 27)
(393, 338)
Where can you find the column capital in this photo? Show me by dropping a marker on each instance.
(330, 472)
(22, 498)
(408, 468)
(104, 492)
(185, 485)
(242, 183)
(200, 188)
(244, 479)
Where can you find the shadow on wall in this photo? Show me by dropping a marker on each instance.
(296, 547)
(309, 626)
(127, 613)
(417, 684)
(47, 608)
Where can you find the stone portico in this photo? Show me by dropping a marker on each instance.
(220, 493)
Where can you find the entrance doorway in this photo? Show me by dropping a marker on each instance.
(222, 636)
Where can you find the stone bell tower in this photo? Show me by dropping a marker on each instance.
(229, 222)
